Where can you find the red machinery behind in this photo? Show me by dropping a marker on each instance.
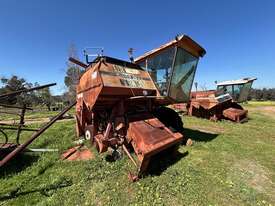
(223, 102)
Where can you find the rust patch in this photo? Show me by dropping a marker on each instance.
(77, 153)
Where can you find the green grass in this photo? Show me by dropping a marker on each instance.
(31, 114)
(228, 164)
(28, 115)
(260, 103)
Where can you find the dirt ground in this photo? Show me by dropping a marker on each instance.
(266, 110)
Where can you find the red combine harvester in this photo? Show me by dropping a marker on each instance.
(122, 104)
(223, 102)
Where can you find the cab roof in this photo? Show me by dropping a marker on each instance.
(238, 81)
(182, 41)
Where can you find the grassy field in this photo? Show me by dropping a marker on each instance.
(228, 164)
(31, 115)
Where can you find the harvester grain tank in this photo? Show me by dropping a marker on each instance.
(119, 102)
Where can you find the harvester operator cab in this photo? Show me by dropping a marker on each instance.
(172, 67)
(238, 89)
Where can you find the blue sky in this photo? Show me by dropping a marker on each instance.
(239, 36)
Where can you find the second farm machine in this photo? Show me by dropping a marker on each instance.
(222, 103)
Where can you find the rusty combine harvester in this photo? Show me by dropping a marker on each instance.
(223, 102)
(120, 104)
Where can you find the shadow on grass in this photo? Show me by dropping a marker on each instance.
(17, 164)
(46, 191)
(15, 192)
(163, 160)
(46, 143)
(199, 136)
(160, 162)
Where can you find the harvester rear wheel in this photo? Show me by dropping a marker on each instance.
(170, 118)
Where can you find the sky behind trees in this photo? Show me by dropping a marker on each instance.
(238, 36)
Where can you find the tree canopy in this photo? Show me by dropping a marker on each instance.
(262, 94)
(32, 98)
(73, 74)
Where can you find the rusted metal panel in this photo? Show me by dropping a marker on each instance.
(77, 153)
(200, 94)
(150, 137)
(236, 115)
(119, 76)
(211, 105)
(179, 107)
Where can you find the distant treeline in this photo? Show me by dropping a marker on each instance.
(42, 97)
(262, 94)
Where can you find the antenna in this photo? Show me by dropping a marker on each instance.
(130, 53)
(196, 86)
